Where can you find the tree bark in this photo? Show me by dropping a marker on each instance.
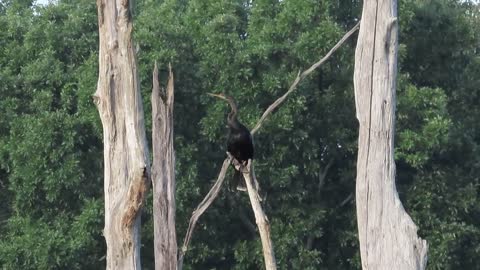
(126, 158)
(163, 175)
(388, 236)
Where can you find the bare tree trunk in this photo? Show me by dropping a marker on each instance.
(388, 236)
(127, 168)
(163, 175)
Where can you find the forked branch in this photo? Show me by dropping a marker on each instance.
(249, 175)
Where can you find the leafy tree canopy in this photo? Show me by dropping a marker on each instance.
(51, 190)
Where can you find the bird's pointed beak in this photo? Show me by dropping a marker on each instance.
(217, 95)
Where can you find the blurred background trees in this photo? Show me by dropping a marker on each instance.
(51, 189)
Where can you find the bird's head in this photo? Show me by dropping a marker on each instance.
(220, 96)
(232, 116)
(227, 98)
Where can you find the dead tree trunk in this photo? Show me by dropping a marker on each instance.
(388, 236)
(163, 175)
(126, 158)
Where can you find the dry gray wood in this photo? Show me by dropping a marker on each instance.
(163, 174)
(202, 207)
(126, 157)
(260, 217)
(388, 236)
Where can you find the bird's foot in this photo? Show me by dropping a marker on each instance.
(244, 168)
(235, 163)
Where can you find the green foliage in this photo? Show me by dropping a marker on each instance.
(423, 123)
(49, 143)
(59, 243)
(439, 180)
(51, 208)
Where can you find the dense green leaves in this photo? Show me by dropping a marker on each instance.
(423, 124)
(50, 135)
(441, 57)
(49, 144)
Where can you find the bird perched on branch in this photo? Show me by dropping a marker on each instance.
(239, 139)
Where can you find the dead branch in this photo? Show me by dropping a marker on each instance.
(260, 218)
(323, 174)
(249, 175)
(346, 200)
(207, 201)
(302, 75)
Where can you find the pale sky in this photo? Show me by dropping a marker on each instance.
(43, 2)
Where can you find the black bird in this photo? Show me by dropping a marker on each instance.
(239, 140)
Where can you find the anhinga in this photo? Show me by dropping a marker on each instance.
(239, 140)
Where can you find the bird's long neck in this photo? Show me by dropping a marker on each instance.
(232, 120)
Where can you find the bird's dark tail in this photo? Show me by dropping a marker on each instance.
(239, 181)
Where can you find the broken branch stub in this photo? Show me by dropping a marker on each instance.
(163, 175)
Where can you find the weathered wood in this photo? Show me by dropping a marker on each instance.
(202, 207)
(260, 217)
(163, 175)
(388, 236)
(126, 157)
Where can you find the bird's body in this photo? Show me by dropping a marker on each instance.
(239, 143)
(239, 139)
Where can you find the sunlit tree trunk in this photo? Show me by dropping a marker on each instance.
(126, 158)
(388, 236)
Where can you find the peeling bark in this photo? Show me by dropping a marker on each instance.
(387, 234)
(127, 168)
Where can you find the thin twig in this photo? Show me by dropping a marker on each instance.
(212, 194)
(349, 197)
(242, 215)
(323, 174)
(302, 75)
